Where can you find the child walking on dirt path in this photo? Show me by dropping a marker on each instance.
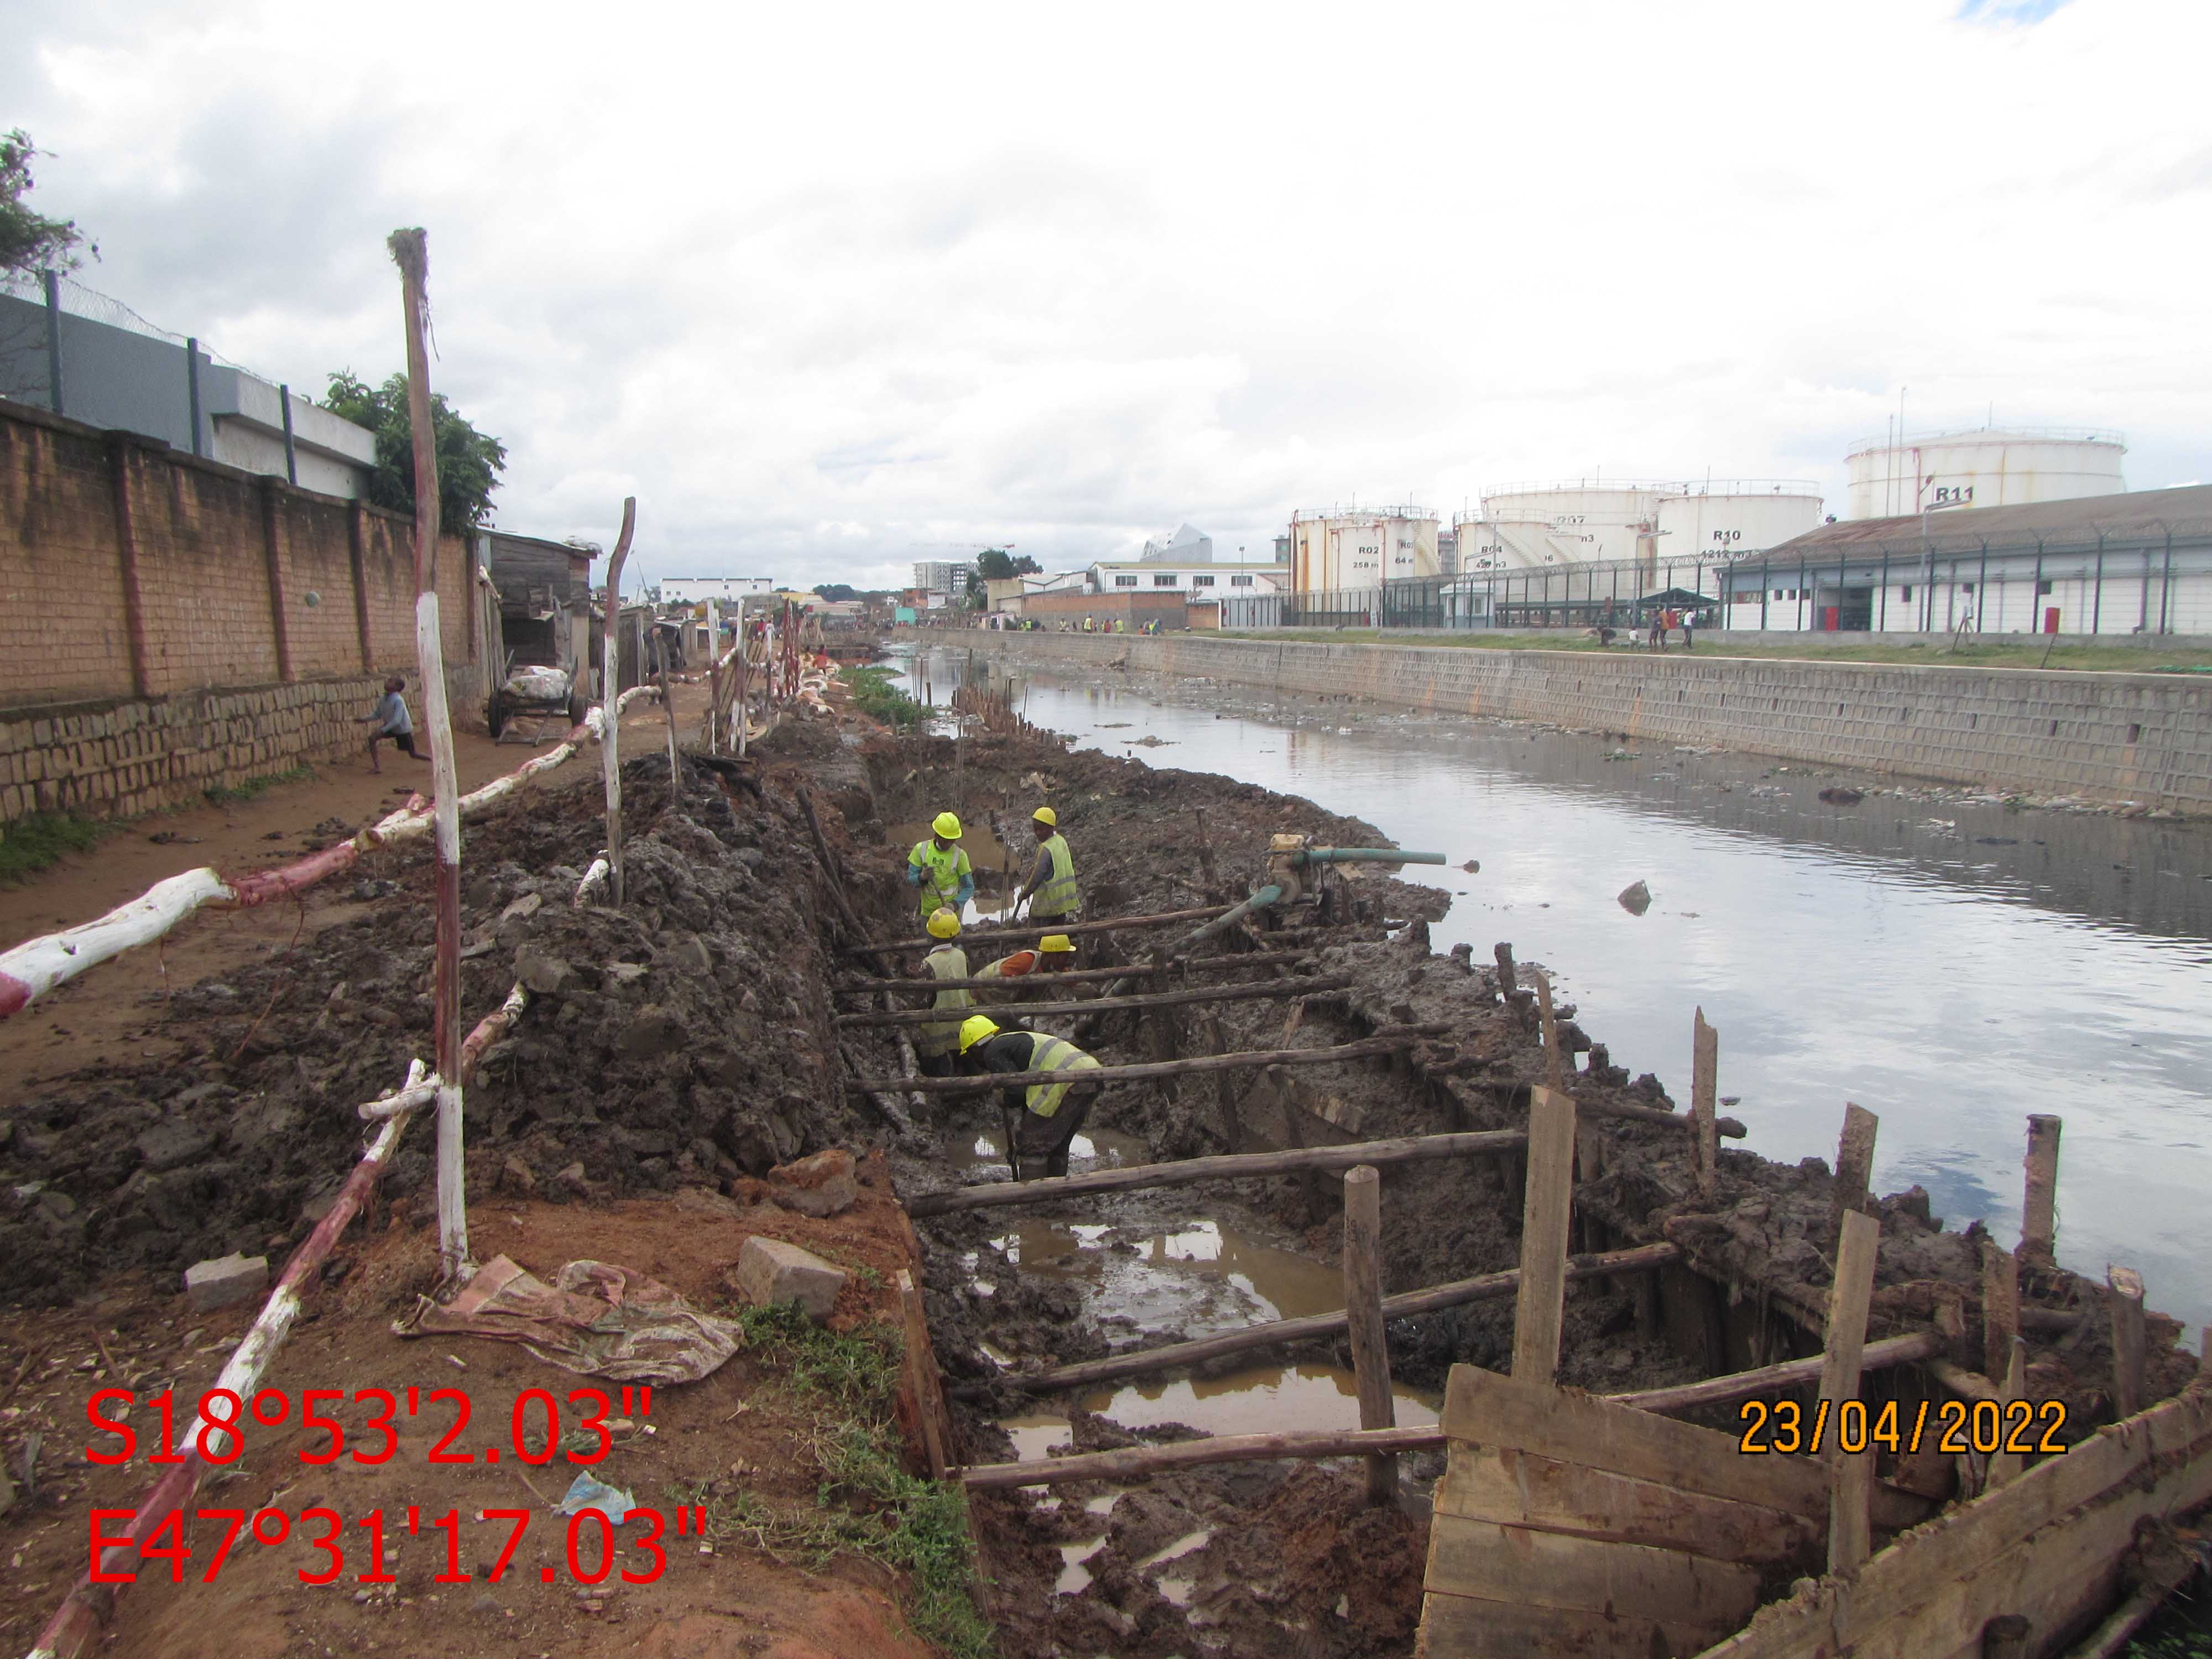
(391, 721)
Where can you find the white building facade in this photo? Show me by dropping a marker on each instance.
(1198, 582)
(696, 590)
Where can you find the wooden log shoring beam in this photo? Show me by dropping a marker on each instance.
(1180, 1171)
(1367, 1048)
(1704, 1084)
(1363, 1319)
(2129, 1349)
(1266, 989)
(1851, 1535)
(1109, 925)
(1135, 1461)
(1539, 1315)
(1307, 1327)
(2039, 1225)
(1078, 975)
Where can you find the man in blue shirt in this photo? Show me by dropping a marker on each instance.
(391, 721)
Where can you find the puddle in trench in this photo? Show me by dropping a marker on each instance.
(999, 867)
(1257, 1399)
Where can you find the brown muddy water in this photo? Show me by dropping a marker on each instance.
(1949, 962)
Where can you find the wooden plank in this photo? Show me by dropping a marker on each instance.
(2103, 1477)
(2038, 1222)
(1496, 1562)
(1920, 1346)
(1264, 990)
(1237, 1165)
(921, 1370)
(930, 985)
(1554, 1064)
(1540, 1308)
(1132, 1461)
(1362, 1307)
(998, 935)
(1365, 1049)
(1851, 1538)
(2128, 1345)
(1854, 1163)
(1487, 1409)
(1519, 1489)
(1466, 1628)
(2000, 1308)
(1705, 1084)
(2008, 1466)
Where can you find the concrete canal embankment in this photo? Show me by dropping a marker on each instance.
(2145, 738)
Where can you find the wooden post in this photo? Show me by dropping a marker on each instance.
(2000, 1308)
(1362, 1307)
(1232, 1124)
(668, 705)
(1854, 1163)
(1507, 984)
(1850, 1530)
(1554, 1071)
(1540, 1307)
(921, 1372)
(609, 683)
(2127, 1342)
(2038, 1222)
(1704, 1081)
(2007, 1465)
(410, 253)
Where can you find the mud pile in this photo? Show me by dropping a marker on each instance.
(684, 1039)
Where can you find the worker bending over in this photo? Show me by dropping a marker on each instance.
(939, 867)
(1051, 888)
(1041, 1119)
(936, 1044)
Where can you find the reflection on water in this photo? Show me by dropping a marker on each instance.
(1257, 1399)
(1952, 966)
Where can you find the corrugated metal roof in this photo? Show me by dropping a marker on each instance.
(2130, 519)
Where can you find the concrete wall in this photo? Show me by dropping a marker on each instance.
(2142, 738)
(134, 576)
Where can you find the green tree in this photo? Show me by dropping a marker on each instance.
(1026, 566)
(469, 461)
(991, 565)
(28, 239)
(835, 592)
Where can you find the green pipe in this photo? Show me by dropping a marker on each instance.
(1364, 855)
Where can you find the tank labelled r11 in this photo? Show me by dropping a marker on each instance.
(1982, 466)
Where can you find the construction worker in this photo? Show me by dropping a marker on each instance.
(1055, 953)
(939, 867)
(1041, 1118)
(935, 1044)
(1051, 888)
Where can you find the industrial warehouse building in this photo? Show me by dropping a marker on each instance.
(2135, 564)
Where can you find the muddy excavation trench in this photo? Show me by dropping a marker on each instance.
(682, 1048)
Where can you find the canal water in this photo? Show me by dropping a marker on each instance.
(1952, 965)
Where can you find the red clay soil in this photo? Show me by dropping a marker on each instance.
(738, 1431)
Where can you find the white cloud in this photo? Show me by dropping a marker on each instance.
(821, 287)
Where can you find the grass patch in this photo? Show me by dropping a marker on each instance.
(2024, 654)
(253, 788)
(874, 695)
(30, 844)
(866, 1503)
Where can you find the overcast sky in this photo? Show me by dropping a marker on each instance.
(832, 288)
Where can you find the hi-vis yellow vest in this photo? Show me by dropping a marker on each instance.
(1052, 1054)
(935, 1040)
(940, 876)
(1058, 896)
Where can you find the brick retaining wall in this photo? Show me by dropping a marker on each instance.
(2142, 738)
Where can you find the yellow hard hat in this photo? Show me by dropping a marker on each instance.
(1047, 817)
(974, 1029)
(946, 825)
(943, 924)
(1056, 944)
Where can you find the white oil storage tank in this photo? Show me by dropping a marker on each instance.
(1985, 466)
(1575, 522)
(1725, 521)
(1332, 551)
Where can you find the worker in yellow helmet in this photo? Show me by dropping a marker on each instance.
(1041, 1119)
(1051, 888)
(936, 1043)
(939, 867)
(1055, 953)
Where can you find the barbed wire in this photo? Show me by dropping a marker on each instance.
(77, 300)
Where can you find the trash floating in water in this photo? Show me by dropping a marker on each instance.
(1636, 898)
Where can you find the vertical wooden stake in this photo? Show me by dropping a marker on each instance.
(1540, 1306)
(1232, 1124)
(921, 1372)
(2128, 1341)
(2007, 1465)
(1854, 1163)
(1507, 984)
(1555, 1073)
(410, 253)
(2038, 1221)
(1705, 1083)
(2000, 1308)
(1849, 1532)
(609, 694)
(1363, 1306)
(668, 705)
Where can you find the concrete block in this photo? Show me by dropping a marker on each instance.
(771, 1270)
(225, 1281)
